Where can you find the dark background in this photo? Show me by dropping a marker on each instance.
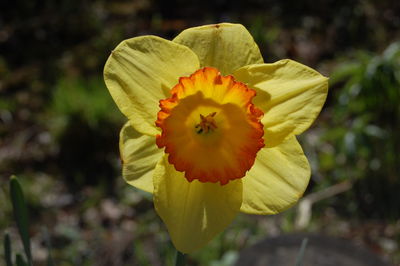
(59, 126)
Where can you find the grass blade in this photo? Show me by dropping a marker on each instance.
(46, 234)
(300, 256)
(7, 249)
(21, 215)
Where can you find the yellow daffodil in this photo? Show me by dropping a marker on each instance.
(212, 128)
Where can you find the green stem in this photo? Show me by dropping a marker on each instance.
(180, 259)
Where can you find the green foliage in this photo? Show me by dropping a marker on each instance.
(87, 97)
(21, 216)
(85, 123)
(362, 141)
(369, 107)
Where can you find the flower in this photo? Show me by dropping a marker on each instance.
(212, 128)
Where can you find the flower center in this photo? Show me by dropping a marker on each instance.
(211, 130)
(207, 123)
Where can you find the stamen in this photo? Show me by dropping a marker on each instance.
(206, 124)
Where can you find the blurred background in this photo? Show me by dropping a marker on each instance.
(59, 126)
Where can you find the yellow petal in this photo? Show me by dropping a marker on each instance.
(277, 180)
(224, 46)
(141, 71)
(193, 212)
(139, 155)
(290, 94)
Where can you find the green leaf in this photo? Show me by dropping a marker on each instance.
(21, 215)
(20, 260)
(7, 249)
(343, 72)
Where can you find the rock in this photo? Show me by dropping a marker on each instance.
(320, 251)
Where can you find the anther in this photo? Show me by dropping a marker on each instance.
(207, 123)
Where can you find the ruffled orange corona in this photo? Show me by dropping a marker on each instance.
(210, 128)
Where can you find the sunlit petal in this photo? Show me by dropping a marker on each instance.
(139, 155)
(290, 94)
(194, 212)
(141, 71)
(277, 180)
(224, 46)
